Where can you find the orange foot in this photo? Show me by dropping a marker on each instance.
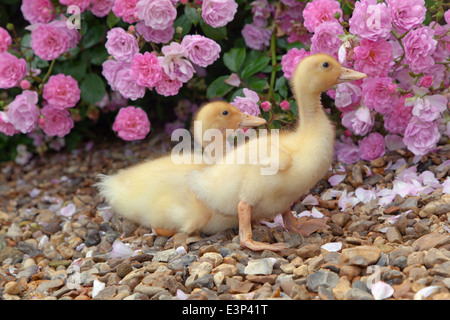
(245, 232)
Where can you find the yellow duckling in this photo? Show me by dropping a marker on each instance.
(155, 193)
(304, 156)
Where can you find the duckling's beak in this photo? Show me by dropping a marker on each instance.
(248, 121)
(350, 75)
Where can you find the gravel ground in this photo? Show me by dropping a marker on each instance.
(57, 236)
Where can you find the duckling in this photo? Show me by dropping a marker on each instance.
(304, 155)
(155, 193)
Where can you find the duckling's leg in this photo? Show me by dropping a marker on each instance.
(245, 231)
(303, 226)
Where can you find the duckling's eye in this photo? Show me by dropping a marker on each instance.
(225, 113)
(325, 64)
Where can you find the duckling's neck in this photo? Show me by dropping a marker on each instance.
(310, 113)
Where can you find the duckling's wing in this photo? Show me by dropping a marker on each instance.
(278, 161)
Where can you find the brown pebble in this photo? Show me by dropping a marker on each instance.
(123, 269)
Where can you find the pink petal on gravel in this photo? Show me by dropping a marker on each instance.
(68, 210)
(381, 290)
(443, 165)
(277, 222)
(425, 292)
(332, 246)
(97, 287)
(316, 213)
(310, 200)
(364, 195)
(34, 193)
(446, 186)
(120, 250)
(429, 179)
(336, 179)
(181, 295)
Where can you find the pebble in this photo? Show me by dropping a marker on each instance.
(323, 278)
(259, 267)
(45, 256)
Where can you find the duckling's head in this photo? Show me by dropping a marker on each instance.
(222, 115)
(319, 72)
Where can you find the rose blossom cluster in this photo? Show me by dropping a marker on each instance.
(386, 40)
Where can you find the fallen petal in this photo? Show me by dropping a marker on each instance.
(425, 292)
(310, 200)
(381, 290)
(181, 295)
(316, 213)
(332, 246)
(68, 210)
(120, 250)
(336, 179)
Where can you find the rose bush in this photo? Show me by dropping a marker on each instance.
(77, 66)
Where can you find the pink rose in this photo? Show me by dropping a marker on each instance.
(202, 51)
(5, 40)
(56, 122)
(291, 59)
(153, 35)
(372, 146)
(146, 69)
(125, 9)
(426, 81)
(157, 14)
(217, 13)
(101, 8)
(127, 86)
(121, 45)
(12, 70)
(421, 137)
(61, 91)
(370, 20)
(346, 151)
(72, 35)
(37, 11)
(82, 4)
(325, 38)
(406, 14)
(285, 105)
(317, 12)
(429, 108)
(6, 127)
(347, 96)
(398, 119)
(174, 63)
(248, 104)
(447, 16)
(167, 86)
(23, 112)
(49, 42)
(360, 121)
(131, 124)
(256, 37)
(110, 70)
(266, 105)
(419, 46)
(379, 94)
(373, 57)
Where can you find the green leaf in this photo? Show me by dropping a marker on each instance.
(112, 20)
(213, 33)
(218, 88)
(93, 36)
(92, 88)
(238, 93)
(281, 87)
(234, 59)
(192, 14)
(255, 67)
(183, 22)
(74, 68)
(97, 55)
(257, 84)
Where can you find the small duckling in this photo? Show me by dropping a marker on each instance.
(155, 193)
(305, 155)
